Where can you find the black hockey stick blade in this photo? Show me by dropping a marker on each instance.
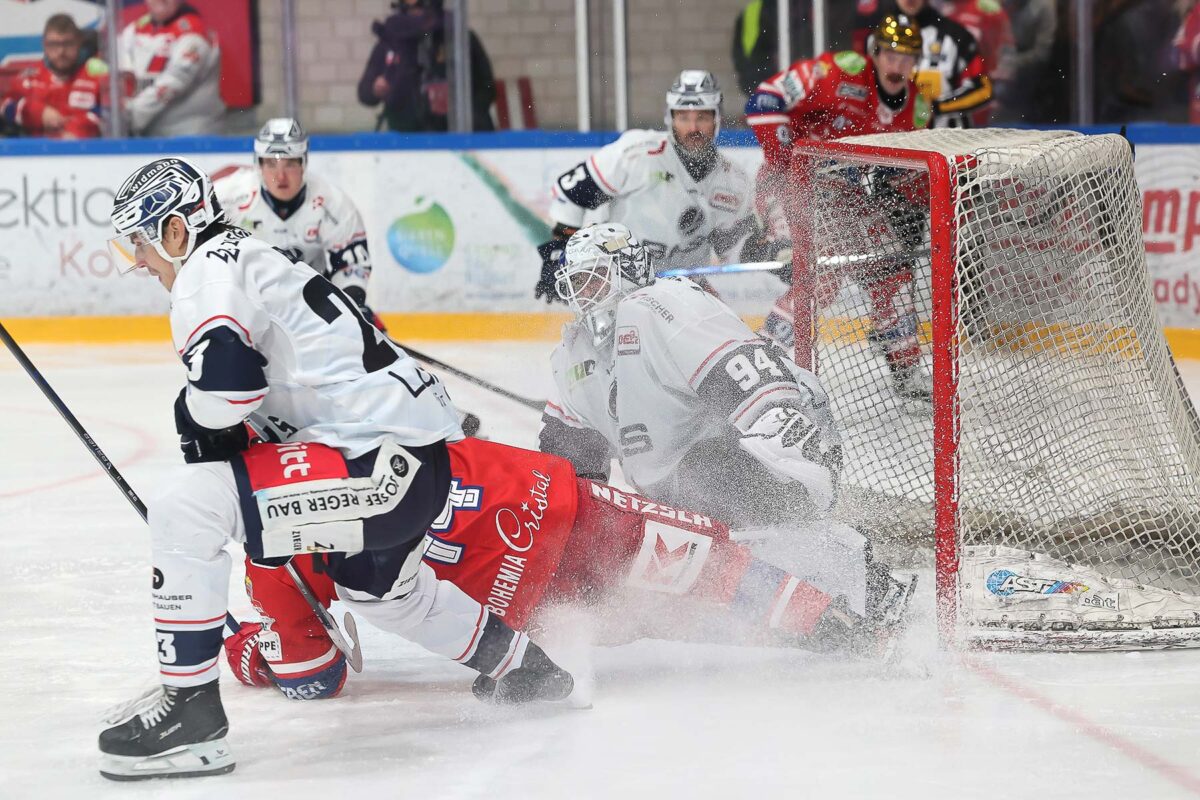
(536, 405)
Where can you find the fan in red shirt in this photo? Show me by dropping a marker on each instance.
(828, 97)
(521, 533)
(59, 98)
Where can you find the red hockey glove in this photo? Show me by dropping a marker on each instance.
(245, 660)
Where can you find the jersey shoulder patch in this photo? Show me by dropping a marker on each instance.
(989, 6)
(850, 62)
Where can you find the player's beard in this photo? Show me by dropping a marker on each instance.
(895, 79)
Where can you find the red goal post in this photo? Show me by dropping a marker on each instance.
(1058, 465)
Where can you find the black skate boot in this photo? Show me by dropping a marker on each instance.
(537, 679)
(169, 732)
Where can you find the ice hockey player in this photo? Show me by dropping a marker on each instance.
(522, 534)
(284, 203)
(293, 208)
(267, 342)
(702, 413)
(951, 73)
(846, 94)
(687, 200)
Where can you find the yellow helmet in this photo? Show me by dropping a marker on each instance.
(899, 34)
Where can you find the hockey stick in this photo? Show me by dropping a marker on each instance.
(353, 654)
(721, 269)
(874, 259)
(536, 405)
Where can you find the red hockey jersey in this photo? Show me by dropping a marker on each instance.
(76, 98)
(827, 97)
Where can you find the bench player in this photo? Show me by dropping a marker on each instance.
(268, 342)
(846, 94)
(521, 533)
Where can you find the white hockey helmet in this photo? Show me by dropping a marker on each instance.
(694, 90)
(600, 264)
(164, 188)
(281, 137)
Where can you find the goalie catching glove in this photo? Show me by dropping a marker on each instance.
(551, 253)
(791, 447)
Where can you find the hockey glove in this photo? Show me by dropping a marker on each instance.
(552, 255)
(791, 447)
(200, 444)
(245, 660)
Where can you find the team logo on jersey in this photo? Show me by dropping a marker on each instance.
(885, 114)
(690, 220)
(421, 240)
(670, 558)
(1004, 583)
(399, 465)
(579, 371)
(629, 342)
(725, 200)
(157, 581)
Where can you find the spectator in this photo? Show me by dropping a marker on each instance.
(1186, 50)
(1034, 23)
(1134, 78)
(59, 98)
(988, 22)
(407, 71)
(176, 66)
(756, 39)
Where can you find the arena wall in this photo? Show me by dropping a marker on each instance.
(453, 222)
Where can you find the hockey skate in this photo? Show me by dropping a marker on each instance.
(169, 732)
(874, 637)
(912, 383)
(537, 679)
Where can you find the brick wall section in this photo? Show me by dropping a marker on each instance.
(523, 37)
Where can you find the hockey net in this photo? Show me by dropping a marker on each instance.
(1055, 471)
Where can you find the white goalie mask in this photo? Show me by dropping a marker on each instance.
(694, 90)
(601, 263)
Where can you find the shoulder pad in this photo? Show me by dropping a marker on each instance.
(641, 138)
(850, 62)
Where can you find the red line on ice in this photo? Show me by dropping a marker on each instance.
(1093, 730)
(146, 448)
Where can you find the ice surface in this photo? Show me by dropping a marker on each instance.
(669, 719)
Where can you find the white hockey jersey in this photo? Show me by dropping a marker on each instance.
(266, 339)
(177, 68)
(326, 231)
(640, 182)
(681, 368)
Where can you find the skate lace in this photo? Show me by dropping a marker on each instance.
(151, 706)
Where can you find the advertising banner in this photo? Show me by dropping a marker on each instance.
(449, 230)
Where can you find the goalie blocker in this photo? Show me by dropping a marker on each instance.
(521, 533)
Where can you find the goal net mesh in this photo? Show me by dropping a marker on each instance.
(1075, 437)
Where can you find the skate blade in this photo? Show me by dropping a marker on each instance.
(186, 761)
